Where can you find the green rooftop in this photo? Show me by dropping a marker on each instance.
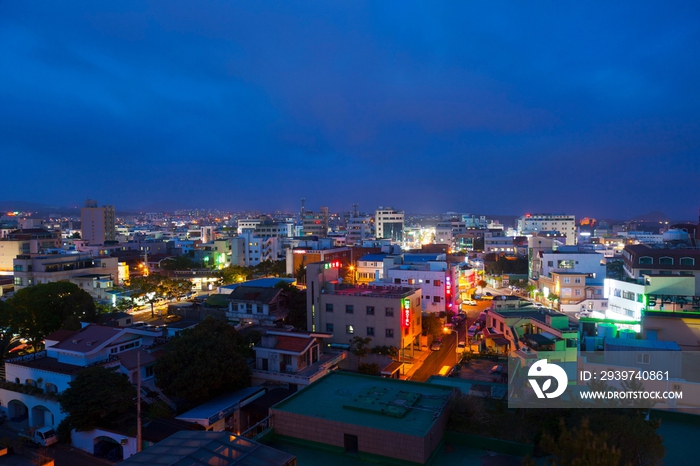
(394, 405)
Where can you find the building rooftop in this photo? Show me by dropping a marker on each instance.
(220, 407)
(261, 282)
(373, 257)
(191, 447)
(254, 294)
(376, 291)
(387, 404)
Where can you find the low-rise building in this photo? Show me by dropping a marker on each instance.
(33, 269)
(389, 314)
(293, 359)
(257, 305)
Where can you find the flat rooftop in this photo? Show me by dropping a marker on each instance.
(409, 408)
(374, 291)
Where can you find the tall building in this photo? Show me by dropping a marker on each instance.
(529, 225)
(388, 223)
(97, 223)
(315, 224)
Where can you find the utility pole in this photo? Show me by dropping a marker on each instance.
(138, 401)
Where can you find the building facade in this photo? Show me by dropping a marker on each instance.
(565, 224)
(97, 223)
(389, 223)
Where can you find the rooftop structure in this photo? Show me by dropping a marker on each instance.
(386, 417)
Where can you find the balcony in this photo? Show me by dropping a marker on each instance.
(306, 376)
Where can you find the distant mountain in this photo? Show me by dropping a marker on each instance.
(654, 216)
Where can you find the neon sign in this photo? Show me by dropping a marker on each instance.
(448, 291)
(332, 265)
(405, 313)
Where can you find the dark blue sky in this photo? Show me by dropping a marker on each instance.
(494, 107)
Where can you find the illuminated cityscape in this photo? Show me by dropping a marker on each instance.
(349, 233)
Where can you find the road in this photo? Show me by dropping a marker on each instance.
(445, 356)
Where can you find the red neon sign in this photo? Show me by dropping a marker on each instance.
(448, 291)
(405, 313)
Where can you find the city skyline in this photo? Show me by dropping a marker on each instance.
(548, 108)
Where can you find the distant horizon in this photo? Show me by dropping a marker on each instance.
(41, 207)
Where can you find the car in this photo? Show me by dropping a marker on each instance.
(496, 370)
(488, 294)
(461, 346)
(472, 331)
(470, 302)
(139, 324)
(437, 344)
(169, 319)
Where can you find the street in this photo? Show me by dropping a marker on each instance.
(445, 356)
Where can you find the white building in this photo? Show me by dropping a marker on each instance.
(437, 281)
(66, 354)
(564, 224)
(445, 232)
(627, 300)
(388, 223)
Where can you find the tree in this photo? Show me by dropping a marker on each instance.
(8, 340)
(234, 274)
(203, 362)
(39, 310)
(145, 287)
(432, 325)
(300, 273)
(95, 394)
(580, 447)
(615, 269)
(179, 263)
(296, 301)
(478, 244)
(530, 288)
(360, 347)
(552, 297)
(481, 284)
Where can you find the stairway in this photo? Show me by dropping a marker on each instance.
(161, 396)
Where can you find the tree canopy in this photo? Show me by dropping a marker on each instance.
(504, 264)
(203, 362)
(95, 394)
(296, 301)
(39, 310)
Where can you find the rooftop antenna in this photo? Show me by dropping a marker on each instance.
(303, 209)
(354, 209)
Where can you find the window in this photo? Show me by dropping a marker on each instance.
(349, 329)
(397, 281)
(349, 309)
(643, 358)
(18, 268)
(687, 261)
(370, 331)
(389, 312)
(436, 299)
(390, 333)
(666, 261)
(436, 282)
(370, 310)
(646, 260)
(149, 371)
(18, 281)
(567, 280)
(426, 297)
(329, 328)
(577, 281)
(329, 307)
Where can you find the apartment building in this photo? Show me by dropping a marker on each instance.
(564, 224)
(642, 259)
(389, 224)
(29, 241)
(293, 359)
(389, 314)
(97, 224)
(33, 269)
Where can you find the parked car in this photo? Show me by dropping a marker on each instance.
(437, 344)
(44, 436)
(461, 346)
(169, 319)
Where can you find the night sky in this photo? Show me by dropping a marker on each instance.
(483, 107)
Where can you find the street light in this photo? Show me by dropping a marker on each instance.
(448, 330)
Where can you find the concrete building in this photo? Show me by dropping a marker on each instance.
(387, 418)
(315, 224)
(628, 300)
(389, 314)
(529, 225)
(97, 223)
(31, 241)
(446, 232)
(641, 259)
(293, 359)
(257, 305)
(437, 281)
(33, 269)
(358, 229)
(66, 354)
(389, 223)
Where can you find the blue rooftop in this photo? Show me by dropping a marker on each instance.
(261, 282)
(420, 258)
(624, 344)
(373, 257)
